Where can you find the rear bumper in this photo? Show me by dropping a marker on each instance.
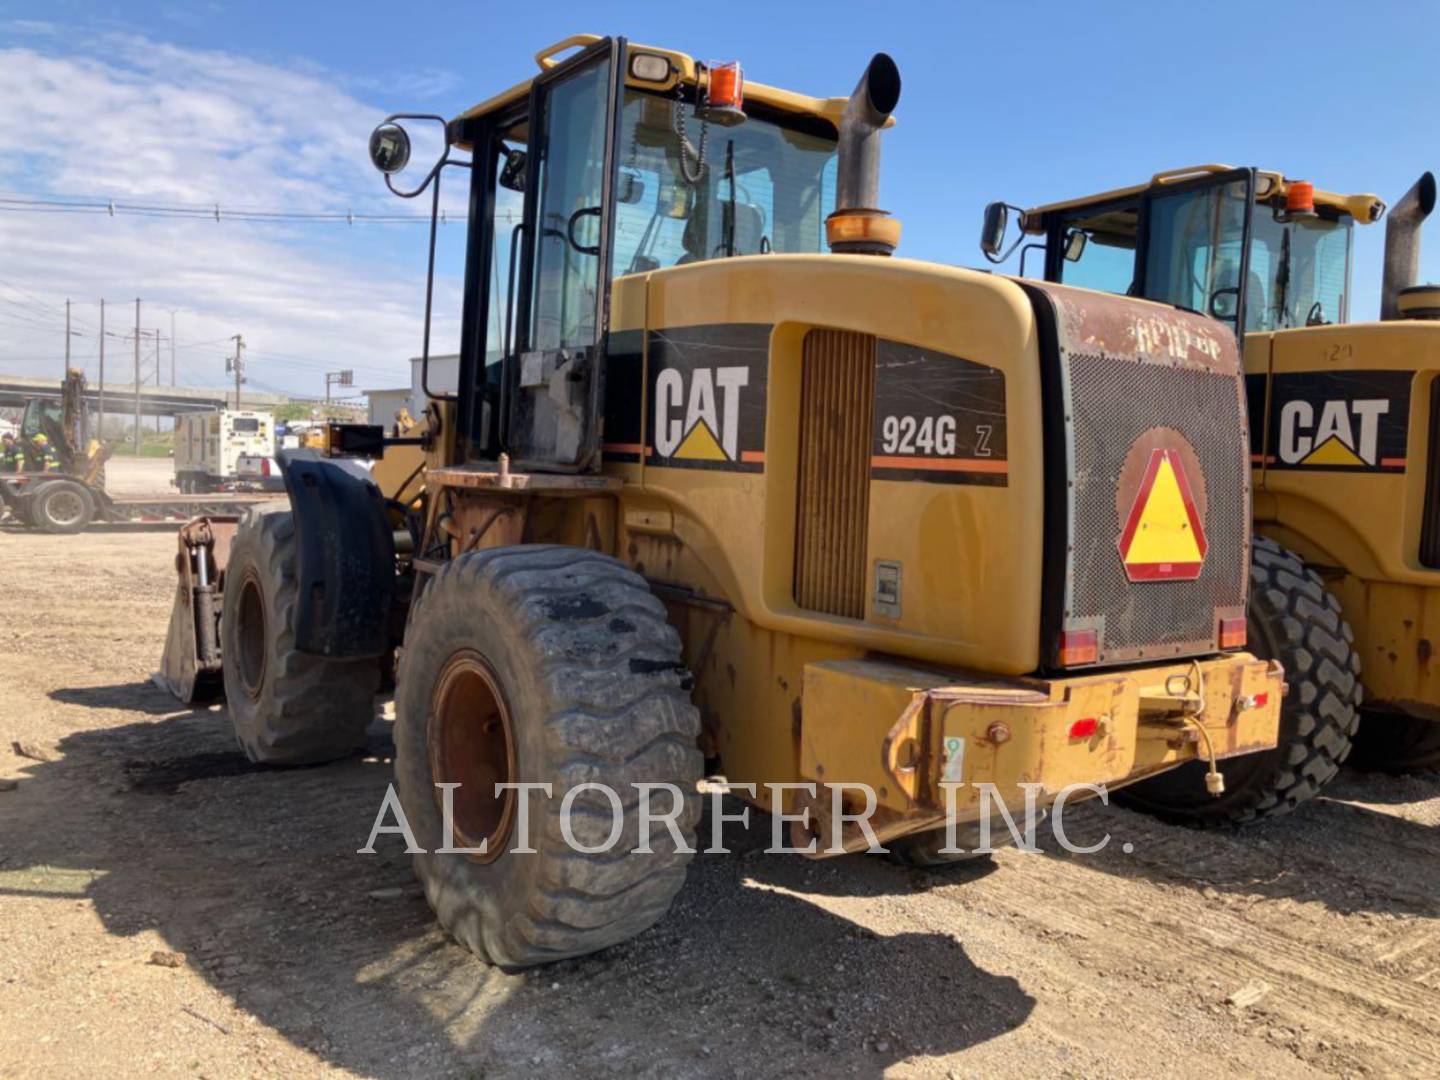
(907, 732)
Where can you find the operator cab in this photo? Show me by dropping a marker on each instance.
(614, 160)
(1191, 236)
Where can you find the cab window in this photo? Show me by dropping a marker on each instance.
(1097, 248)
(1298, 271)
(1195, 244)
(764, 185)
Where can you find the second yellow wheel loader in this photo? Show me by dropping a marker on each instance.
(1343, 436)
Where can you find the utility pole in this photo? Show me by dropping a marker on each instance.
(159, 374)
(172, 348)
(67, 339)
(137, 376)
(102, 371)
(237, 364)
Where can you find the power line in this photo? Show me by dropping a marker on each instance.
(214, 211)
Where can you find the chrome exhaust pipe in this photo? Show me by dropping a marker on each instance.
(854, 227)
(1402, 243)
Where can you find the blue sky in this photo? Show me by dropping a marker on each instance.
(268, 104)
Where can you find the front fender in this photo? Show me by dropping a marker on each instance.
(346, 557)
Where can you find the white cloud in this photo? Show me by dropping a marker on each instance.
(125, 117)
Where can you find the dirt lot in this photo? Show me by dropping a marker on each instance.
(1309, 945)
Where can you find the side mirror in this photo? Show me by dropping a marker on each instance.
(1225, 303)
(1075, 241)
(630, 188)
(389, 148)
(992, 233)
(512, 173)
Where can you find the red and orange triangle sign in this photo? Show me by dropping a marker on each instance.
(1163, 538)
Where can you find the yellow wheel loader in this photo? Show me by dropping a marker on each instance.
(1343, 434)
(727, 490)
(61, 489)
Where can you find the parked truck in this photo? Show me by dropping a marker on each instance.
(225, 450)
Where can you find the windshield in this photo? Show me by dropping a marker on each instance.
(763, 187)
(1299, 271)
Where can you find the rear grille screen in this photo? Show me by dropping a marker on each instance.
(837, 407)
(1112, 402)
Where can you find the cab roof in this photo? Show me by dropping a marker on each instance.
(682, 69)
(1365, 209)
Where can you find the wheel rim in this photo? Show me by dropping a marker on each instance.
(65, 508)
(472, 744)
(251, 637)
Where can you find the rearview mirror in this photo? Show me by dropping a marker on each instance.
(389, 148)
(1225, 303)
(1075, 242)
(512, 174)
(630, 189)
(992, 233)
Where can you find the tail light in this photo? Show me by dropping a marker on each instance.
(1079, 647)
(1232, 633)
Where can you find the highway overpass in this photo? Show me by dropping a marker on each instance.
(120, 397)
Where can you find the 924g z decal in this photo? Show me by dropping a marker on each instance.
(938, 419)
(1343, 421)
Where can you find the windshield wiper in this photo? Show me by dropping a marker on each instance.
(1282, 279)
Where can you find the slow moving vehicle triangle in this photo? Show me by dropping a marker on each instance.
(1163, 538)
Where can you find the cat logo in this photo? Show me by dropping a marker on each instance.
(1334, 433)
(701, 421)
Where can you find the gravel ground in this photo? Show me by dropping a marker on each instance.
(167, 907)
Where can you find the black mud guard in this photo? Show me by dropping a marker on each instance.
(346, 557)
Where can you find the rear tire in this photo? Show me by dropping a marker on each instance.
(568, 673)
(61, 507)
(1396, 743)
(1292, 618)
(287, 707)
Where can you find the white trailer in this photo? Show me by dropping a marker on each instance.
(227, 450)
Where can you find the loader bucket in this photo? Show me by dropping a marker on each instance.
(191, 665)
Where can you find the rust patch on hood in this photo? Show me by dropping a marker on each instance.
(1140, 330)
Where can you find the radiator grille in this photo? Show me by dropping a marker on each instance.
(837, 406)
(1114, 401)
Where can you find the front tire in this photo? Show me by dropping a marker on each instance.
(1292, 618)
(544, 664)
(287, 707)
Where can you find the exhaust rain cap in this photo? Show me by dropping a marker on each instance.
(858, 225)
(1402, 248)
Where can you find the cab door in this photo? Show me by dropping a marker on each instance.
(1194, 246)
(555, 373)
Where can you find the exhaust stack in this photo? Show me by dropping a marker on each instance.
(858, 225)
(1402, 244)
